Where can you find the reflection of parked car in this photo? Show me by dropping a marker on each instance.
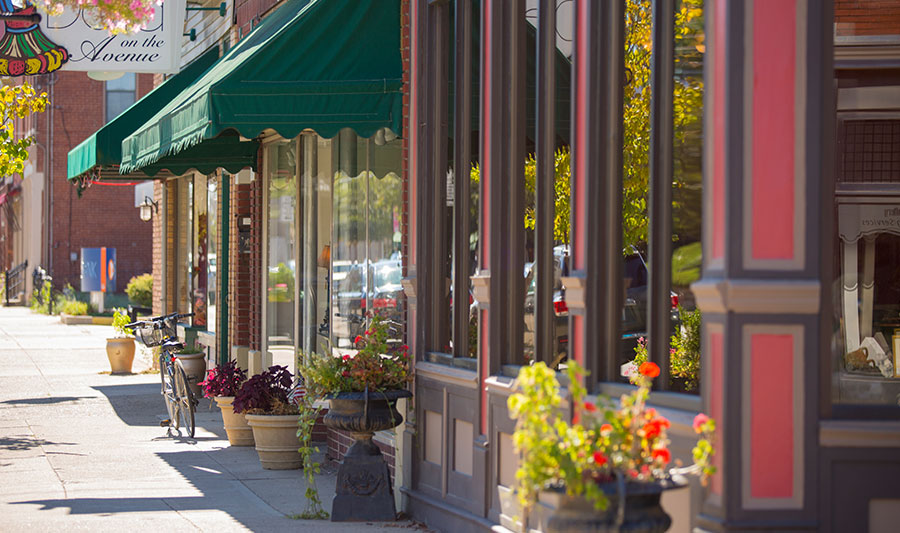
(384, 293)
(634, 311)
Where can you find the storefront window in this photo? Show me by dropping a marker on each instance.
(347, 243)
(281, 274)
(183, 221)
(200, 246)
(212, 238)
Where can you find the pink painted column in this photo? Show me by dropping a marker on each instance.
(768, 101)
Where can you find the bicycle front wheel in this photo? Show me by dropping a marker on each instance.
(184, 399)
(166, 374)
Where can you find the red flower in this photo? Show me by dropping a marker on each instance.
(699, 421)
(346, 373)
(651, 430)
(346, 357)
(589, 407)
(357, 339)
(599, 459)
(662, 454)
(606, 429)
(651, 370)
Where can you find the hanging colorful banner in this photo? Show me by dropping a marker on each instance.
(98, 269)
(73, 41)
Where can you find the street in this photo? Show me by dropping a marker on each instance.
(81, 449)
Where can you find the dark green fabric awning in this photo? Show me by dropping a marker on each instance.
(312, 64)
(103, 149)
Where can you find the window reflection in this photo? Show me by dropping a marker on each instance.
(281, 275)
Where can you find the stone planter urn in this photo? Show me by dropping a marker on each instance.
(639, 512)
(276, 440)
(120, 352)
(364, 491)
(195, 367)
(239, 432)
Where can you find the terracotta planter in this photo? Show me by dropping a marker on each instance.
(276, 441)
(640, 512)
(121, 354)
(364, 490)
(236, 427)
(195, 367)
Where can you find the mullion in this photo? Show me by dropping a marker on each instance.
(461, 164)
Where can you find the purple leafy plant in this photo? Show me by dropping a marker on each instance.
(266, 393)
(223, 380)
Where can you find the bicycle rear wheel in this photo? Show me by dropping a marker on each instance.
(168, 386)
(184, 399)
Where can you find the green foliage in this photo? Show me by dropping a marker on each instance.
(606, 441)
(375, 366)
(686, 263)
(281, 284)
(684, 349)
(562, 194)
(74, 307)
(190, 350)
(16, 102)
(120, 318)
(42, 298)
(140, 290)
(309, 413)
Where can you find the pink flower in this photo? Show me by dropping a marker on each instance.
(699, 421)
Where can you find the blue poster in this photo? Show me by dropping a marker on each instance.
(98, 269)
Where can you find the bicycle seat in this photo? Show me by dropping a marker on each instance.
(173, 344)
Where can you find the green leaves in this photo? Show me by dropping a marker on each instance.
(17, 102)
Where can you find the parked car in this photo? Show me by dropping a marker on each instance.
(383, 279)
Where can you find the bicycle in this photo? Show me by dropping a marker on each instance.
(180, 402)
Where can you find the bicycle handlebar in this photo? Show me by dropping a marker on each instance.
(158, 319)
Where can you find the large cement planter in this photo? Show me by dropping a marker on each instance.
(276, 441)
(239, 432)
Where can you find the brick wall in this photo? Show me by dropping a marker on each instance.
(248, 12)
(239, 307)
(866, 17)
(104, 215)
(159, 307)
(254, 320)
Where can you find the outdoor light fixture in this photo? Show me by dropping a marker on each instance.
(148, 208)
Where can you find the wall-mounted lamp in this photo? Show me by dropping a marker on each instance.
(148, 208)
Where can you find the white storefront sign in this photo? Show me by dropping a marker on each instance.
(90, 48)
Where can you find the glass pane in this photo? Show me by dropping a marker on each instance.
(281, 277)
(124, 83)
(316, 245)
(182, 246)
(350, 266)
(116, 102)
(212, 240)
(384, 233)
(684, 339)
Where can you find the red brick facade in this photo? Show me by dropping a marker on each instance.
(866, 17)
(104, 215)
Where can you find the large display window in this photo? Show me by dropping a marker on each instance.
(333, 241)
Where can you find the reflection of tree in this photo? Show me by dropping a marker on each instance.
(281, 284)
(384, 202)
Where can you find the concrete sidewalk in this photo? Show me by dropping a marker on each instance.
(82, 450)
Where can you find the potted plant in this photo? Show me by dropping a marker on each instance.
(362, 388)
(606, 470)
(264, 400)
(120, 349)
(221, 384)
(193, 359)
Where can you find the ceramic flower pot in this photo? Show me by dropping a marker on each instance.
(276, 441)
(639, 512)
(239, 432)
(195, 367)
(120, 352)
(363, 490)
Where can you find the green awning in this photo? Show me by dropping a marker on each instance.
(312, 64)
(103, 149)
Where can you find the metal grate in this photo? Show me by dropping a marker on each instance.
(870, 151)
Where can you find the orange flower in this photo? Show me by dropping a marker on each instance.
(662, 454)
(606, 429)
(651, 370)
(599, 459)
